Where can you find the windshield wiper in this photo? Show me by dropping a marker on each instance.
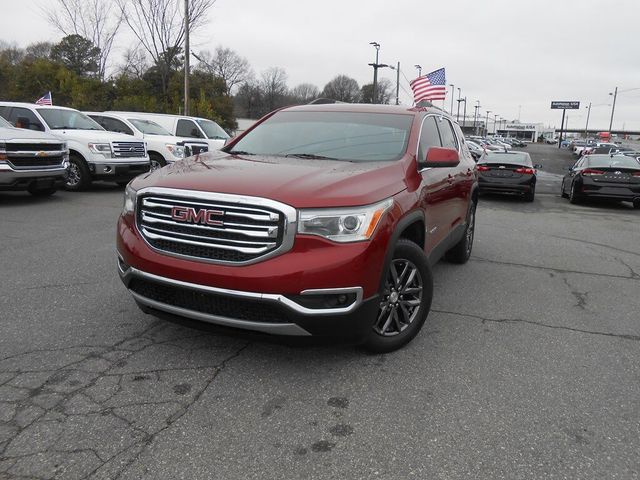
(240, 152)
(311, 156)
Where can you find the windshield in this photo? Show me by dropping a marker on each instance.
(148, 127)
(59, 119)
(212, 130)
(355, 137)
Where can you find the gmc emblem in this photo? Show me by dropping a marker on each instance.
(203, 216)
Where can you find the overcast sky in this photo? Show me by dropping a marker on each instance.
(512, 56)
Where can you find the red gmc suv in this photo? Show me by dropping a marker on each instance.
(318, 220)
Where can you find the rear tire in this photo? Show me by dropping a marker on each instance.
(78, 176)
(573, 195)
(461, 251)
(636, 204)
(530, 196)
(405, 299)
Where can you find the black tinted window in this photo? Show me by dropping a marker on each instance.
(25, 118)
(429, 137)
(446, 134)
(113, 125)
(187, 128)
(511, 158)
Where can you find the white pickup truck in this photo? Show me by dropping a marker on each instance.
(163, 147)
(94, 153)
(32, 161)
(194, 128)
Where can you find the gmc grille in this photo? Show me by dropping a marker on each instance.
(128, 149)
(212, 228)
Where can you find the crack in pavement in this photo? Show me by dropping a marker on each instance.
(94, 409)
(554, 269)
(540, 324)
(581, 297)
(578, 240)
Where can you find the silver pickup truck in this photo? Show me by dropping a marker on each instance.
(32, 161)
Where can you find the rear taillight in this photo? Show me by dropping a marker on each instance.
(591, 171)
(636, 174)
(483, 168)
(525, 170)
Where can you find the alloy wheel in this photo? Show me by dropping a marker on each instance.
(470, 229)
(401, 298)
(73, 175)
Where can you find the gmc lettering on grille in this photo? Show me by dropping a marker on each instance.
(191, 215)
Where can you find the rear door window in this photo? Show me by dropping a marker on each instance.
(447, 135)
(188, 128)
(429, 137)
(114, 125)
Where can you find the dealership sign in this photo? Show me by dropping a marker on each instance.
(565, 105)
(520, 126)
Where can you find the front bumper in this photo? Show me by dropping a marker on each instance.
(14, 179)
(119, 170)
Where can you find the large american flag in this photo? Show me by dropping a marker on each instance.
(45, 99)
(431, 86)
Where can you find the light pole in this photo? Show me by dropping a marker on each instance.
(459, 100)
(186, 57)
(486, 124)
(376, 66)
(475, 115)
(586, 127)
(453, 89)
(613, 107)
(397, 69)
(419, 68)
(495, 118)
(464, 115)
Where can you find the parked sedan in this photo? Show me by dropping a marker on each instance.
(611, 177)
(507, 172)
(476, 150)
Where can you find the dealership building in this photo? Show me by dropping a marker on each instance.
(524, 131)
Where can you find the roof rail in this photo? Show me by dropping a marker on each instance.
(322, 101)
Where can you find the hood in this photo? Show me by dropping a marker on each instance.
(94, 136)
(162, 138)
(10, 133)
(301, 183)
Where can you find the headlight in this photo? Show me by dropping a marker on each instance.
(350, 224)
(101, 148)
(129, 200)
(177, 151)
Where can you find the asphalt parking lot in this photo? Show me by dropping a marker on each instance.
(528, 366)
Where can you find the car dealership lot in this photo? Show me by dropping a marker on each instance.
(528, 366)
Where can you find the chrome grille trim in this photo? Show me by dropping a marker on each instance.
(272, 234)
(128, 149)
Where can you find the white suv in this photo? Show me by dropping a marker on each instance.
(94, 154)
(162, 147)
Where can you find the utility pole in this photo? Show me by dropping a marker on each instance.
(459, 100)
(186, 57)
(613, 107)
(398, 84)
(586, 127)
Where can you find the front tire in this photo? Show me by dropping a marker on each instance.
(78, 176)
(405, 299)
(156, 161)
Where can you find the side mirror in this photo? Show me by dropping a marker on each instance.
(438, 157)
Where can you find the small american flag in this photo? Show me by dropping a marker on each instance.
(45, 99)
(431, 86)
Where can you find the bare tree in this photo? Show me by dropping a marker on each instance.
(304, 93)
(227, 65)
(342, 88)
(95, 20)
(159, 27)
(135, 63)
(274, 87)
